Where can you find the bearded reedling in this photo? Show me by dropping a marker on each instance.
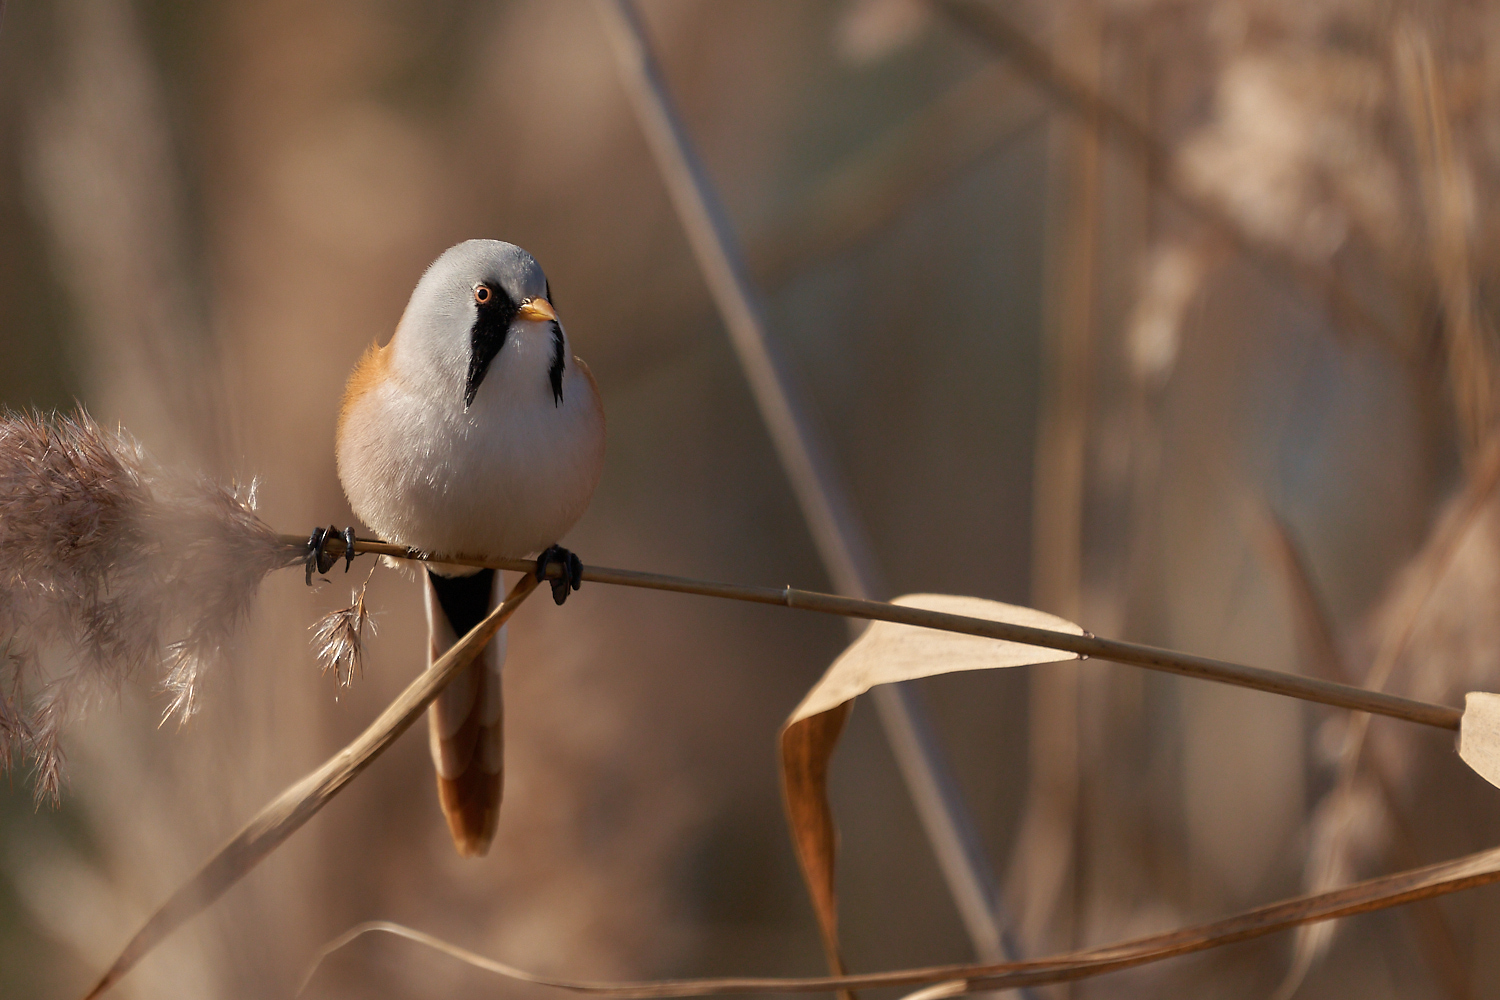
(474, 432)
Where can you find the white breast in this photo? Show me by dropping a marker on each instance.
(505, 479)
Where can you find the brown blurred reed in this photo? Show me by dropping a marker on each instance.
(1350, 142)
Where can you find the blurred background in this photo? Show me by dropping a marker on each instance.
(1173, 318)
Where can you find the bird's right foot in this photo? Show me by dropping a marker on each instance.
(571, 577)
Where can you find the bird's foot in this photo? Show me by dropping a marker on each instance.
(571, 577)
(319, 559)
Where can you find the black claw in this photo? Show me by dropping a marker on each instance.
(319, 559)
(571, 576)
(326, 559)
(315, 551)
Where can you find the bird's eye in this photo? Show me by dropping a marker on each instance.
(482, 294)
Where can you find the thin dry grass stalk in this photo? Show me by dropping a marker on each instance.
(1448, 200)
(1381, 893)
(299, 803)
(114, 567)
(1087, 645)
(1413, 591)
(1321, 653)
(836, 531)
(1040, 881)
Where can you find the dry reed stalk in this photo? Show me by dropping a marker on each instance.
(117, 567)
(1122, 857)
(836, 530)
(1043, 866)
(1448, 207)
(1387, 891)
(1086, 645)
(1320, 650)
(286, 814)
(1427, 571)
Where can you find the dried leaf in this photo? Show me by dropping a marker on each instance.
(884, 654)
(299, 803)
(1479, 735)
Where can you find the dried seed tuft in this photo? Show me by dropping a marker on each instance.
(115, 567)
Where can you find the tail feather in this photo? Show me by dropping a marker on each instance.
(465, 722)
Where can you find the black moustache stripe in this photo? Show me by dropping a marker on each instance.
(492, 321)
(559, 364)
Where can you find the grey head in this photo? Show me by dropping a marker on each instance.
(468, 303)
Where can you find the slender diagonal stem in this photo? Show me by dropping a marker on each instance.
(1170, 661)
(286, 814)
(1384, 892)
(836, 532)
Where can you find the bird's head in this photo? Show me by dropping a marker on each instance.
(484, 306)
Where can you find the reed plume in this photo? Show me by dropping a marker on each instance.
(111, 567)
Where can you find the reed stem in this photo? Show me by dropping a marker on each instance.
(1087, 645)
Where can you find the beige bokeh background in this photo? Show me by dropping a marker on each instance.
(208, 211)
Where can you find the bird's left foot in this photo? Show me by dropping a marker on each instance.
(571, 577)
(319, 559)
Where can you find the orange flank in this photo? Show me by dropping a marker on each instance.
(368, 373)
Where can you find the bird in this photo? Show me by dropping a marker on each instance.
(473, 432)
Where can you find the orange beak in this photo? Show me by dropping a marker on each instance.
(538, 309)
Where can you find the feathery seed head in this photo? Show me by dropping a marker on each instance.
(118, 565)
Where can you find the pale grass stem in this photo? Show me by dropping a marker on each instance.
(1133, 654)
(285, 814)
(1386, 891)
(301, 801)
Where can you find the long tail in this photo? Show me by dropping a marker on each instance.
(464, 723)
